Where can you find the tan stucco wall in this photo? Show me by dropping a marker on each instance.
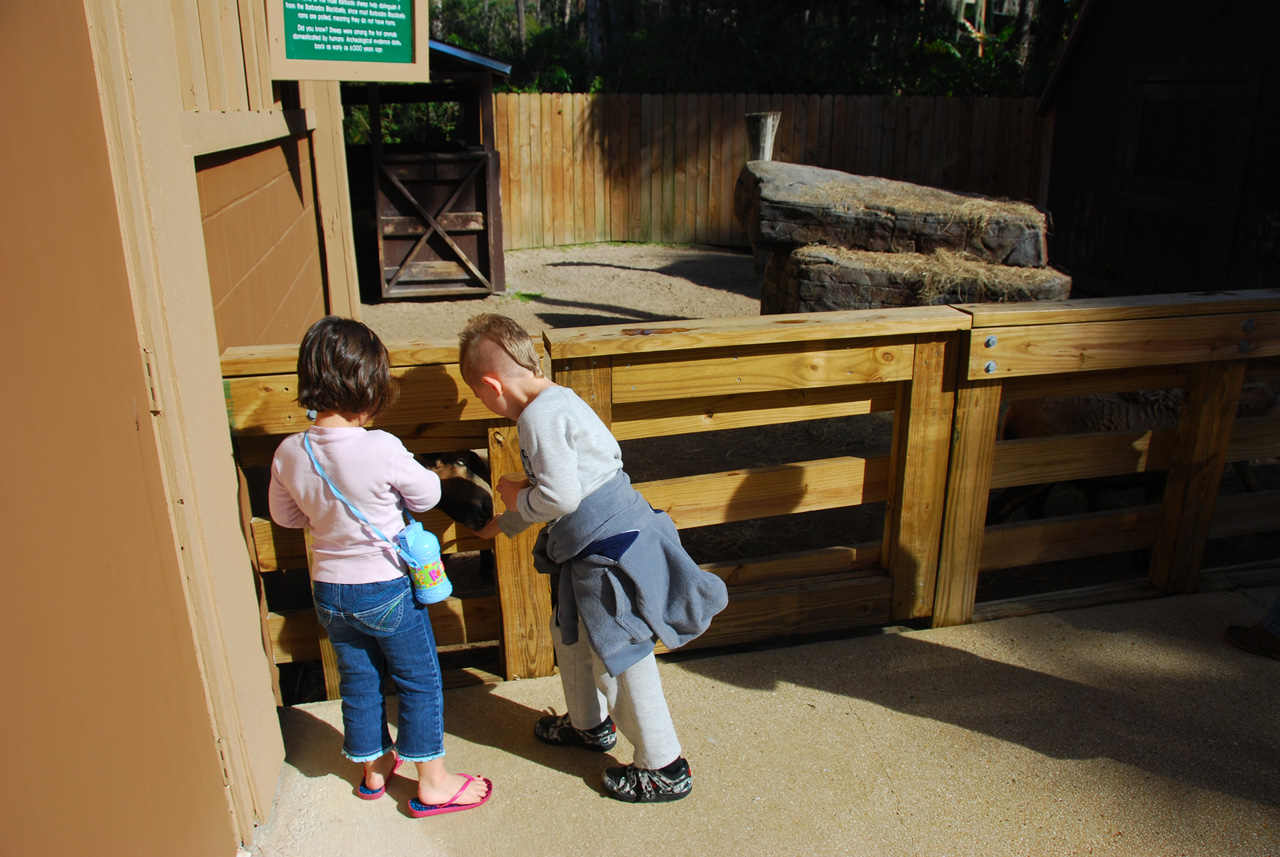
(262, 241)
(109, 743)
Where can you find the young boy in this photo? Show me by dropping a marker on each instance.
(624, 578)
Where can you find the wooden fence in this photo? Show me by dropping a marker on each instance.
(942, 372)
(580, 169)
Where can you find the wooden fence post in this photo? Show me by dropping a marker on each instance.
(591, 378)
(913, 513)
(524, 595)
(1200, 453)
(973, 445)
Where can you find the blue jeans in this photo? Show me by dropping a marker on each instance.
(378, 629)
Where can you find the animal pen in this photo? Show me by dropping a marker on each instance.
(942, 372)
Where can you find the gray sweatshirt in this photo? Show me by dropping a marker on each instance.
(567, 453)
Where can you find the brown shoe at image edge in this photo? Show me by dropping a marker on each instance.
(1255, 640)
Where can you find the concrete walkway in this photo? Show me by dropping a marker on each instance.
(1132, 729)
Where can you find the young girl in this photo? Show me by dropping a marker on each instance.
(363, 594)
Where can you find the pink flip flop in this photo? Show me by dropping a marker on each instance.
(373, 794)
(417, 809)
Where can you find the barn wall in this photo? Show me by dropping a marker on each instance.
(1164, 177)
(103, 681)
(262, 240)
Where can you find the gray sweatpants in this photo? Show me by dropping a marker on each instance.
(634, 699)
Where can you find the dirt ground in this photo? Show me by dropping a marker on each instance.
(590, 285)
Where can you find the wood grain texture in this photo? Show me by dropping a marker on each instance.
(973, 443)
(717, 413)
(525, 595)
(429, 395)
(279, 548)
(1200, 448)
(833, 604)
(1066, 599)
(1122, 309)
(917, 490)
(1055, 459)
(759, 368)
(872, 325)
(761, 492)
(1088, 346)
(1067, 537)
(295, 635)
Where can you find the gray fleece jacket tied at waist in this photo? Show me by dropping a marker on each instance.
(623, 570)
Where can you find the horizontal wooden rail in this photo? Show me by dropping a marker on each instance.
(280, 548)
(1085, 383)
(1062, 458)
(1068, 537)
(762, 492)
(834, 603)
(788, 569)
(295, 635)
(1044, 349)
(758, 369)
(1138, 307)
(1245, 513)
(747, 410)
(427, 395)
(870, 326)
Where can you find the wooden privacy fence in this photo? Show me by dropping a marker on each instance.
(927, 366)
(579, 169)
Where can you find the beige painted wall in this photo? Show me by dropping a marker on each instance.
(262, 240)
(110, 748)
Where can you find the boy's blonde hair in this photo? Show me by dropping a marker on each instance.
(489, 341)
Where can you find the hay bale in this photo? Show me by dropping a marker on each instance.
(818, 278)
(782, 206)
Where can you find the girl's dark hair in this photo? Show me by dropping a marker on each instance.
(343, 366)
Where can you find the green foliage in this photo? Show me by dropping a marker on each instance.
(432, 125)
(753, 46)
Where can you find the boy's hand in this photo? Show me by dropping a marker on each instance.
(509, 487)
(489, 530)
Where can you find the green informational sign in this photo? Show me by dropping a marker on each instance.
(347, 30)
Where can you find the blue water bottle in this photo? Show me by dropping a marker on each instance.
(421, 551)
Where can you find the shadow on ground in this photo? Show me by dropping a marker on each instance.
(1172, 706)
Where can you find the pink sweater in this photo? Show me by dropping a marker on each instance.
(374, 472)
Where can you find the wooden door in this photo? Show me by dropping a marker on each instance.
(439, 224)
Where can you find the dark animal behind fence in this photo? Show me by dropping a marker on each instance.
(465, 494)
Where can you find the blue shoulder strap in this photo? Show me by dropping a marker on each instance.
(306, 442)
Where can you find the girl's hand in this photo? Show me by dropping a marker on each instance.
(489, 530)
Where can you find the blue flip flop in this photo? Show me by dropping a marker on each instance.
(373, 794)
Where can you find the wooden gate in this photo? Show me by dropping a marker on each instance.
(438, 223)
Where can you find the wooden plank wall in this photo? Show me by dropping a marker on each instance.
(223, 61)
(262, 242)
(661, 168)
